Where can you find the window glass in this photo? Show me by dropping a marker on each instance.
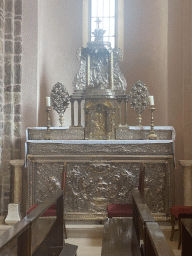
(105, 11)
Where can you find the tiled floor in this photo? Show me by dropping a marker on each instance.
(88, 237)
(87, 246)
(166, 229)
(3, 228)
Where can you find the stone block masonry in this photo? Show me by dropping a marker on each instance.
(10, 94)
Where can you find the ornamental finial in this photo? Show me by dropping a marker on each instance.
(98, 33)
(98, 21)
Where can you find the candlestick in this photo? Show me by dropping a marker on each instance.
(48, 132)
(61, 119)
(152, 135)
(48, 102)
(151, 100)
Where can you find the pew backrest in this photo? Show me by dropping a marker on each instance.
(21, 239)
(141, 213)
(155, 243)
(16, 240)
(147, 229)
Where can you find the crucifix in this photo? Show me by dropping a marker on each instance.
(98, 21)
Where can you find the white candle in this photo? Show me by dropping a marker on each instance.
(48, 102)
(151, 100)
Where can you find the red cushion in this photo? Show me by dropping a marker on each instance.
(120, 210)
(50, 212)
(176, 210)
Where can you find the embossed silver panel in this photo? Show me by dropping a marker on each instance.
(142, 133)
(104, 148)
(122, 133)
(92, 185)
(57, 133)
(139, 98)
(100, 172)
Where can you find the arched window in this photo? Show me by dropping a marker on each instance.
(111, 13)
(105, 10)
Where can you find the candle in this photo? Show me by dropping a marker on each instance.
(151, 100)
(48, 102)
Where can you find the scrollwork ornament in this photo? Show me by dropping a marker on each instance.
(118, 53)
(98, 33)
(139, 98)
(79, 54)
(60, 100)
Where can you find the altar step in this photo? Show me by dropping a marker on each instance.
(94, 229)
(88, 236)
(83, 229)
(3, 228)
(166, 229)
(87, 246)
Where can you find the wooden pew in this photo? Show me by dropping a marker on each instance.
(147, 229)
(119, 238)
(36, 235)
(17, 240)
(122, 236)
(186, 236)
(155, 243)
(141, 214)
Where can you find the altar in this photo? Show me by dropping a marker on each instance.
(102, 157)
(100, 172)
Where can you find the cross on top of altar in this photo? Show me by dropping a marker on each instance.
(98, 21)
(102, 85)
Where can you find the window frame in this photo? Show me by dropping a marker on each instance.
(119, 23)
(115, 23)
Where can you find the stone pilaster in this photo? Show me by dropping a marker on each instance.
(18, 164)
(8, 103)
(17, 79)
(10, 93)
(1, 87)
(187, 181)
(14, 209)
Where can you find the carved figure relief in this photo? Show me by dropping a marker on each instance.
(99, 120)
(79, 82)
(99, 77)
(99, 123)
(47, 180)
(131, 149)
(92, 187)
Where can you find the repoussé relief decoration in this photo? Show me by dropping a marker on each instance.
(60, 100)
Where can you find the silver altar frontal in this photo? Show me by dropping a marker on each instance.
(100, 172)
(102, 158)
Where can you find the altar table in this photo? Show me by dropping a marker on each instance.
(101, 172)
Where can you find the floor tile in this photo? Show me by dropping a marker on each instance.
(88, 237)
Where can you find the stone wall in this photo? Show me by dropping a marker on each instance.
(10, 93)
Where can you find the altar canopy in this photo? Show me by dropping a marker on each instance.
(103, 158)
